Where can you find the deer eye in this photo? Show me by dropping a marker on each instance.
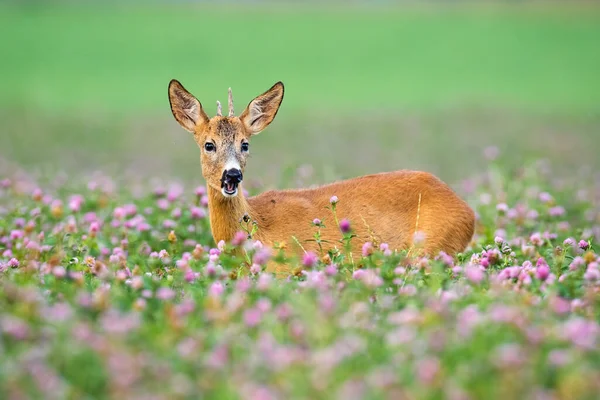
(245, 146)
(209, 146)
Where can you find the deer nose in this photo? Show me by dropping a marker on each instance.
(233, 175)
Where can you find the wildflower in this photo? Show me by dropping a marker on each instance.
(581, 332)
(139, 304)
(556, 211)
(114, 322)
(474, 274)
(210, 269)
(216, 289)
(137, 282)
(174, 192)
(75, 202)
(204, 201)
(59, 272)
(545, 197)
(408, 290)
(176, 213)
(418, 238)
(263, 305)
(197, 212)
(13, 263)
(262, 256)
(358, 274)
(163, 254)
(252, 317)
(165, 293)
(333, 200)
(427, 370)
(345, 226)
(37, 194)
(119, 213)
(542, 269)
(169, 224)
(283, 311)
(15, 327)
(592, 274)
(130, 210)
(243, 284)
(239, 238)
(317, 222)
(536, 239)
(56, 208)
(190, 276)
(200, 191)
(255, 269)
(502, 208)
(16, 234)
(331, 269)
(367, 249)
(197, 252)
(583, 245)
(182, 264)
(309, 259)
(94, 228)
(559, 357)
(498, 240)
(121, 275)
(264, 281)
(385, 248)
(509, 355)
(569, 242)
(371, 278)
(560, 305)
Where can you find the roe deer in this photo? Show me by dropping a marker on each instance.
(387, 207)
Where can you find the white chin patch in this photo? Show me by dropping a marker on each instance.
(226, 194)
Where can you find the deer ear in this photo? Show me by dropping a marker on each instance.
(262, 110)
(186, 109)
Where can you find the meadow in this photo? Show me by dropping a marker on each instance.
(111, 285)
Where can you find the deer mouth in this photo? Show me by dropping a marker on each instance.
(230, 182)
(229, 188)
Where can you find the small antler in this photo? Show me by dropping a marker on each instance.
(219, 109)
(231, 113)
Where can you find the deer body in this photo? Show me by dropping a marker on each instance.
(383, 208)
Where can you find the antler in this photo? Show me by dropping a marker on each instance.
(231, 113)
(219, 109)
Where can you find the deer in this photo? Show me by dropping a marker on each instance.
(389, 207)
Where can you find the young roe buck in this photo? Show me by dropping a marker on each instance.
(387, 207)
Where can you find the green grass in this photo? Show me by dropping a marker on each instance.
(120, 59)
(367, 88)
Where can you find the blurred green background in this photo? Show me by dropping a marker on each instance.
(370, 86)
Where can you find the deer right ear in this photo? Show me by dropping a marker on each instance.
(186, 109)
(262, 110)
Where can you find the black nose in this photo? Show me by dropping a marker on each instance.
(233, 175)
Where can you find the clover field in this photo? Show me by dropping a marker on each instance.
(117, 291)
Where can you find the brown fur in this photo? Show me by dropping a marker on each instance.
(384, 208)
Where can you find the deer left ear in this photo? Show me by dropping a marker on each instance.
(262, 110)
(186, 109)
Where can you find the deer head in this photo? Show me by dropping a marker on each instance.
(224, 141)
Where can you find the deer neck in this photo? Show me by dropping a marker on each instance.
(225, 213)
